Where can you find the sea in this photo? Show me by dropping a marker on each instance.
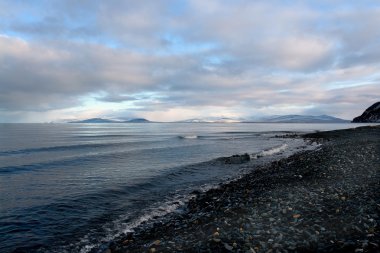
(76, 187)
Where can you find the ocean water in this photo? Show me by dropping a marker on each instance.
(75, 187)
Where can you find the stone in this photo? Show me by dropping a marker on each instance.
(156, 242)
(237, 159)
(228, 247)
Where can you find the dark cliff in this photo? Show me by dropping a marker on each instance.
(372, 114)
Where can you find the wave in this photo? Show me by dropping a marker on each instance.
(83, 159)
(58, 148)
(103, 136)
(270, 151)
(218, 137)
(241, 132)
(119, 226)
(189, 137)
(71, 147)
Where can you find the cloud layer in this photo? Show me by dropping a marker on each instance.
(170, 60)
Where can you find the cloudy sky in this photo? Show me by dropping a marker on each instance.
(176, 59)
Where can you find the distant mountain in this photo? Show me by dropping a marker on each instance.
(100, 120)
(270, 119)
(300, 119)
(94, 120)
(211, 120)
(371, 114)
(137, 120)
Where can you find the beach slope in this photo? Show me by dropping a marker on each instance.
(326, 200)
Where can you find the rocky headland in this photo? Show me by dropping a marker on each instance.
(371, 114)
(325, 200)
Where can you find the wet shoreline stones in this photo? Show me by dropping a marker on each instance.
(235, 159)
(326, 200)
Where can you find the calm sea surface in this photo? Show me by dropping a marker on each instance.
(74, 187)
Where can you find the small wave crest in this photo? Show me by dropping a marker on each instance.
(159, 211)
(119, 227)
(188, 137)
(270, 151)
(58, 148)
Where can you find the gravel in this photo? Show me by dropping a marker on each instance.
(326, 200)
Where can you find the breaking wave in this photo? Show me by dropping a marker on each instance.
(270, 151)
(189, 137)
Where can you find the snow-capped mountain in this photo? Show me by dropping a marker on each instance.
(101, 120)
(300, 119)
(212, 120)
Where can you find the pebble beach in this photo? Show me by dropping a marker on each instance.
(324, 200)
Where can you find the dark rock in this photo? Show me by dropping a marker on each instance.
(237, 159)
(372, 114)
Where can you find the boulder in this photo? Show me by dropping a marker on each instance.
(237, 159)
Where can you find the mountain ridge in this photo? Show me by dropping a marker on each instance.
(101, 120)
(296, 118)
(291, 118)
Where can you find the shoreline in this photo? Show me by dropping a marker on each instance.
(324, 200)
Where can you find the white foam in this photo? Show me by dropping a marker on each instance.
(189, 137)
(119, 227)
(160, 211)
(271, 151)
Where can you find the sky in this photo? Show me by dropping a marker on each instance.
(171, 60)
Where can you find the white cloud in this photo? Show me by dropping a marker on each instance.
(163, 60)
(300, 53)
